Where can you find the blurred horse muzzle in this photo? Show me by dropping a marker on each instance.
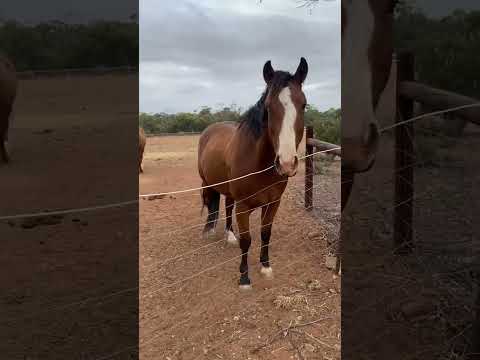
(288, 166)
(358, 154)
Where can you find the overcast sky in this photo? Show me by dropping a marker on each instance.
(211, 53)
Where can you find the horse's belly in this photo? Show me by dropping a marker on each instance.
(213, 154)
(258, 190)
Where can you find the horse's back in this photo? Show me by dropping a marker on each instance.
(213, 152)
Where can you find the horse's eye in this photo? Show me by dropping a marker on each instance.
(304, 106)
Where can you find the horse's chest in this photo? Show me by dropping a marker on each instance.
(257, 193)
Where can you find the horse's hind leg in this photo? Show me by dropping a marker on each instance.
(268, 214)
(243, 222)
(4, 151)
(229, 204)
(4, 118)
(211, 199)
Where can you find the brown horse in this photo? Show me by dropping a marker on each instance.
(8, 93)
(267, 137)
(367, 49)
(142, 141)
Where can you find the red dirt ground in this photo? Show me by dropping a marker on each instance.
(190, 305)
(71, 148)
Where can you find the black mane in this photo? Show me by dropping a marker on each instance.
(255, 118)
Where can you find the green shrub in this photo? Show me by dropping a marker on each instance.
(326, 125)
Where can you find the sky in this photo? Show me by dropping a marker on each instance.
(211, 53)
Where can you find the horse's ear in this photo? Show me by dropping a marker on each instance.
(268, 71)
(302, 71)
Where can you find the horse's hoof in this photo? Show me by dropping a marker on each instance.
(231, 238)
(267, 272)
(244, 288)
(209, 234)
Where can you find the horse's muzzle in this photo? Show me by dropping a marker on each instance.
(286, 168)
(358, 154)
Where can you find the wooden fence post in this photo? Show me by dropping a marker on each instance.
(308, 169)
(404, 159)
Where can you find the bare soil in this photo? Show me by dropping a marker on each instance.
(71, 147)
(419, 305)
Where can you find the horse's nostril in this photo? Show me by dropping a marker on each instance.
(295, 162)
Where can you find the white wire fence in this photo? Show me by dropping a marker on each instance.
(160, 287)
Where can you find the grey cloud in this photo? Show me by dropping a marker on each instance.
(222, 54)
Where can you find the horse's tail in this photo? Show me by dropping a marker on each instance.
(211, 200)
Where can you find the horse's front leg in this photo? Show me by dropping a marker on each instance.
(243, 221)
(268, 214)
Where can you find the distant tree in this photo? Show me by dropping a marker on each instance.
(56, 45)
(326, 124)
(444, 48)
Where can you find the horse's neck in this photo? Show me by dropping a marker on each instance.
(265, 152)
(257, 152)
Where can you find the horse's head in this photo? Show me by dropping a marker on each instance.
(285, 104)
(367, 28)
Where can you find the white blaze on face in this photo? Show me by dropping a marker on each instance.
(287, 148)
(357, 107)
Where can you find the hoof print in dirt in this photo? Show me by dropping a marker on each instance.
(42, 132)
(210, 234)
(155, 197)
(42, 221)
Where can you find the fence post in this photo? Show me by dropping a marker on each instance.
(404, 159)
(308, 169)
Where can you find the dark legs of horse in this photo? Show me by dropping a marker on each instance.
(243, 222)
(4, 119)
(268, 214)
(229, 234)
(211, 199)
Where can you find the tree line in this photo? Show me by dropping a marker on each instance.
(445, 48)
(56, 45)
(326, 124)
